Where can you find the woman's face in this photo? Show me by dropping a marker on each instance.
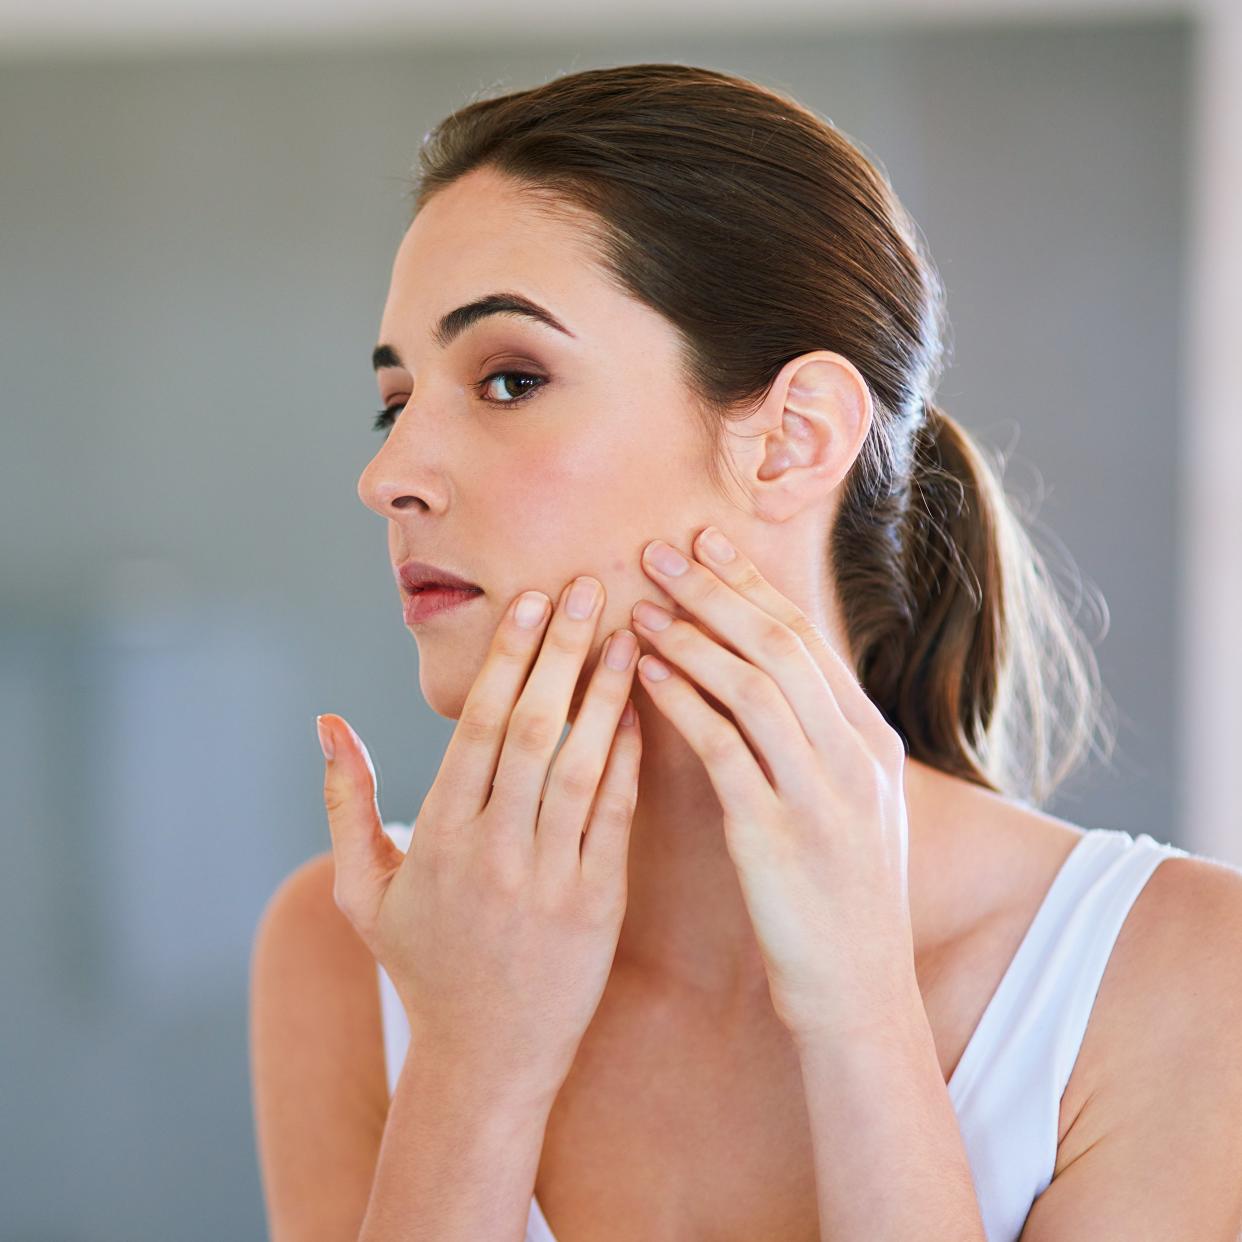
(517, 483)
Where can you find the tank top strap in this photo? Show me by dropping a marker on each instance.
(1039, 1012)
(1077, 954)
(1008, 1086)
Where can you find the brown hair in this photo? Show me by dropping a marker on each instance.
(761, 232)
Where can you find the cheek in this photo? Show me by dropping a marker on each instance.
(598, 495)
(577, 494)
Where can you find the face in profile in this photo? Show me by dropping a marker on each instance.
(522, 455)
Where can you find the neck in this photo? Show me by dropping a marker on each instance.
(686, 926)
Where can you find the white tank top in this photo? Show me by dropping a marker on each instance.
(1007, 1086)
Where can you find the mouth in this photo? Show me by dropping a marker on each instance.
(436, 599)
(418, 577)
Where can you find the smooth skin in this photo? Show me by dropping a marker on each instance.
(681, 1112)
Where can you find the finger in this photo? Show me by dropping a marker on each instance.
(364, 856)
(741, 574)
(761, 711)
(737, 609)
(464, 781)
(538, 719)
(605, 847)
(574, 781)
(767, 628)
(733, 770)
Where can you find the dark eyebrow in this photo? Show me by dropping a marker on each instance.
(452, 325)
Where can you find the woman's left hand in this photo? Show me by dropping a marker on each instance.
(811, 781)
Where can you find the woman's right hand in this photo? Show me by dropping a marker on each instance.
(499, 926)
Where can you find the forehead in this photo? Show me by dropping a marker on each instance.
(480, 234)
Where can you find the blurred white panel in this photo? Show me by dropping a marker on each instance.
(1210, 659)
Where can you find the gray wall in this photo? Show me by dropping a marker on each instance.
(195, 252)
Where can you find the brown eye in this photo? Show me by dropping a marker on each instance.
(507, 377)
(509, 380)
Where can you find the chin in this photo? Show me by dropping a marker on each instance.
(443, 692)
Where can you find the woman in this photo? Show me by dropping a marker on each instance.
(795, 955)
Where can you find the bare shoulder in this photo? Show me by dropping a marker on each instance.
(1184, 928)
(1155, 1138)
(319, 1091)
(1171, 996)
(304, 941)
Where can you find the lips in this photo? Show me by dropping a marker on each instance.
(418, 576)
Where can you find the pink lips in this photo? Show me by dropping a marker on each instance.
(414, 575)
(432, 602)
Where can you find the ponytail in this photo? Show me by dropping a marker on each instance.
(970, 669)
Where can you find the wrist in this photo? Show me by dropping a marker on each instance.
(464, 1070)
(899, 1020)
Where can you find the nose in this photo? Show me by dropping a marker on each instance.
(391, 484)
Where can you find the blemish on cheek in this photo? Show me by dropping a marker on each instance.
(619, 564)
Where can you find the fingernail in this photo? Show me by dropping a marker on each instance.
(717, 547)
(652, 668)
(666, 558)
(530, 609)
(582, 598)
(620, 650)
(629, 715)
(326, 743)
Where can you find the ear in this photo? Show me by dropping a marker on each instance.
(806, 434)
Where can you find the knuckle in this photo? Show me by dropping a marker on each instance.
(513, 643)
(719, 744)
(335, 799)
(778, 642)
(575, 779)
(565, 639)
(532, 729)
(754, 689)
(614, 808)
(807, 633)
(478, 724)
(748, 578)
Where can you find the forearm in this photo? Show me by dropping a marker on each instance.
(459, 1155)
(890, 1164)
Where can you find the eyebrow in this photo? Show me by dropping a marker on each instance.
(452, 325)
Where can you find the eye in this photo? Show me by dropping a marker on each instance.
(384, 418)
(387, 416)
(482, 386)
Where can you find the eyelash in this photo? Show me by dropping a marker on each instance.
(387, 416)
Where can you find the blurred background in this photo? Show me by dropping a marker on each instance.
(199, 207)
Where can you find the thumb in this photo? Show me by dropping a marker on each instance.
(362, 853)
